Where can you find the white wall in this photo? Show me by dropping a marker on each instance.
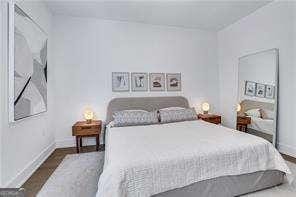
(87, 50)
(24, 144)
(1, 86)
(272, 26)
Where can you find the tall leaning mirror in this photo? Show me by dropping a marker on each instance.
(257, 94)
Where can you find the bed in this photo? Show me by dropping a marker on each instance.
(188, 159)
(259, 126)
(262, 125)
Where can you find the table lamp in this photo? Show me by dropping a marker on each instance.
(205, 107)
(88, 115)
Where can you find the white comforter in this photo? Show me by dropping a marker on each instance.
(146, 160)
(263, 125)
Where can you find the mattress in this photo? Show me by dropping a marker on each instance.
(263, 125)
(149, 160)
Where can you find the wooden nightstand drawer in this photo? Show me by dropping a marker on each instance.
(243, 120)
(86, 127)
(83, 131)
(83, 128)
(211, 118)
(215, 120)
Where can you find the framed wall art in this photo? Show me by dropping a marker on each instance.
(270, 89)
(250, 88)
(157, 81)
(260, 90)
(139, 82)
(173, 81)
(120, 82)
(27, 66)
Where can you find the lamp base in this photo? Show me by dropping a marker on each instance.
(205, 112)
(88, 121)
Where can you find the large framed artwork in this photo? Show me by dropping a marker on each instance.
(139, 82)
(120, 82)
(157, 81)
(173, 81)
(28, 66)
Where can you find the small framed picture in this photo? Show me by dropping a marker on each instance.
(139, 82)
(250, 88)
(260, 90)
(120, 82)
(173, 81)
(157, 81)
(269, 92)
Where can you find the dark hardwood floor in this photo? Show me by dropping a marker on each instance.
(40, 176)
(289, 158)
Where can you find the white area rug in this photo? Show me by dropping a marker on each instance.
(78, 175)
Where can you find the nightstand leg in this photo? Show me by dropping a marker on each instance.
(77, 144)
(81, 142)
(97, 142)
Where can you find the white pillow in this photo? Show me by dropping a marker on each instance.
(267, 114)
(254, 113)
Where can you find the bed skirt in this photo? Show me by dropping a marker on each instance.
(228, 186)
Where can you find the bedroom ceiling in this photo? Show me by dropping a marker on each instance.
(209, 15)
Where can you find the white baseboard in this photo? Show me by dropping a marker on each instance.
(287, 149)
(30, 168)
(70, 142)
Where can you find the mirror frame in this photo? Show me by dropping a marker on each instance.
(276, 91)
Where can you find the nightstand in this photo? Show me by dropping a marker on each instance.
(211, 118)
(83, 129)
(242, 123)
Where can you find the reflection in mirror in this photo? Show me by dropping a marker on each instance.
(257, 94)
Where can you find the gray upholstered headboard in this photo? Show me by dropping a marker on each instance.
(144, 103)
(249, 104)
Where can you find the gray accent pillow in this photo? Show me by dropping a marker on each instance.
(134, 117)
(177, 115)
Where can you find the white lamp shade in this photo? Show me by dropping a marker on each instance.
(238, 108)
(88, 114)
(205, 106)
